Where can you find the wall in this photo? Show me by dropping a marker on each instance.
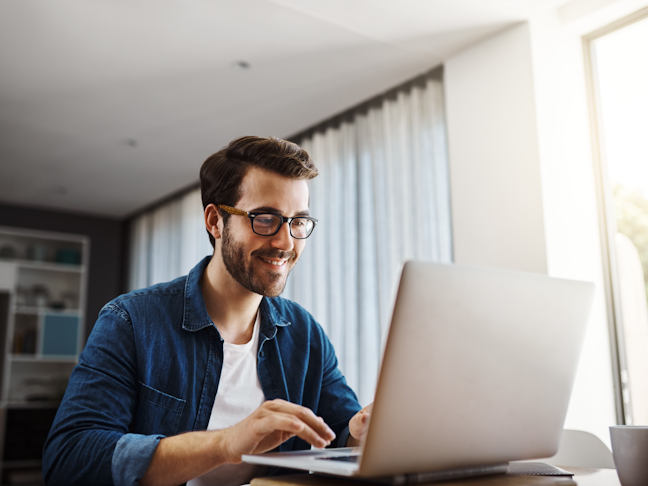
(497, 213)
(105, 273)
(522, 180)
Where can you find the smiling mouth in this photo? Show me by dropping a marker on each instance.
(276, 263)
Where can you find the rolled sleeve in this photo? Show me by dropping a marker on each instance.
(132, 456)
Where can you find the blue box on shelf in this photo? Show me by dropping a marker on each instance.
(68, 256)
(60, 335)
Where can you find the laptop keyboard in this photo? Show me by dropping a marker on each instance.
(340, 458)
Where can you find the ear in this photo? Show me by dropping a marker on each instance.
(213, 221)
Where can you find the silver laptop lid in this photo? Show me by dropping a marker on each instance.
(478, 368)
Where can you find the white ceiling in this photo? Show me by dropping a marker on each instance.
(109, 105)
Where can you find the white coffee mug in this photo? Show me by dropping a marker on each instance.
(630, 451)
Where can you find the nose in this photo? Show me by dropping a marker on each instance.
(282, 239)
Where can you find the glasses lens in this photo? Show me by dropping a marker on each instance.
(266, 224)
(301, 227)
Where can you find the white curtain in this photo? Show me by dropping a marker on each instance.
(167, 241)
(382, 197)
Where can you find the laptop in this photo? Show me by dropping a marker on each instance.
(477, 371)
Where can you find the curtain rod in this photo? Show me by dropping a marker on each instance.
(348, 114)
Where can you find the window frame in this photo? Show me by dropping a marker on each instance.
(607, 220)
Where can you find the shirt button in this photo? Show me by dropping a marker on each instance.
(261, 354)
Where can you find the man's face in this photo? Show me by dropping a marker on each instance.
(261, 264)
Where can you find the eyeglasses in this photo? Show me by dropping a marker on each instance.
(268, 224)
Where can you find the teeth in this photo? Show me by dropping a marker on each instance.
(275, 263)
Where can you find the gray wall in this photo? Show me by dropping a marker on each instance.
(106, 275)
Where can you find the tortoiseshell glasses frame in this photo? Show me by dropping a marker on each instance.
(268, 224)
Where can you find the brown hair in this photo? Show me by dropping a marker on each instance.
(222, 173)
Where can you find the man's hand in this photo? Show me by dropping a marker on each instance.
(358, 426)
(183, 457)
(270, 425)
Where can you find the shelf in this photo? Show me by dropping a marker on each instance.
(47, 341)
(52, 266)
(27, 358)
(23, 309)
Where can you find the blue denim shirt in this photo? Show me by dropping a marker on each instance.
(151, 369)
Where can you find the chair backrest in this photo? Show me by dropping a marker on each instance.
(581, 449)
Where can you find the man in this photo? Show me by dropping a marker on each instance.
(178, 380)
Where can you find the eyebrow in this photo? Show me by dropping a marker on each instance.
(269, 209)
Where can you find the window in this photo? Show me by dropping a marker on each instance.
(618, 60)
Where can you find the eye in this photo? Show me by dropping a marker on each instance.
(266, 219)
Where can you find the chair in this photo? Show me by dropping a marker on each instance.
(581, 449)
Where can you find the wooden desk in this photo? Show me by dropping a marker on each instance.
(582, 477)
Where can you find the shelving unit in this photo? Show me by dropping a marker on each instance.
(43, 280)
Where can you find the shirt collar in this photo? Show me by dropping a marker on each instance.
(195, 315)
(270, 318)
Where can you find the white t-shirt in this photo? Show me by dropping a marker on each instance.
(239, 394)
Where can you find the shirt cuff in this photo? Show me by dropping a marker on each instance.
(132, 456)
(343, 437)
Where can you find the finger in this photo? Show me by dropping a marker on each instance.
(356, 427)
(271, 441)
(368, 408)
(306, 415)
(287, 422)
(359, 424)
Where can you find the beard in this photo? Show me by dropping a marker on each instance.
(266, 283)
